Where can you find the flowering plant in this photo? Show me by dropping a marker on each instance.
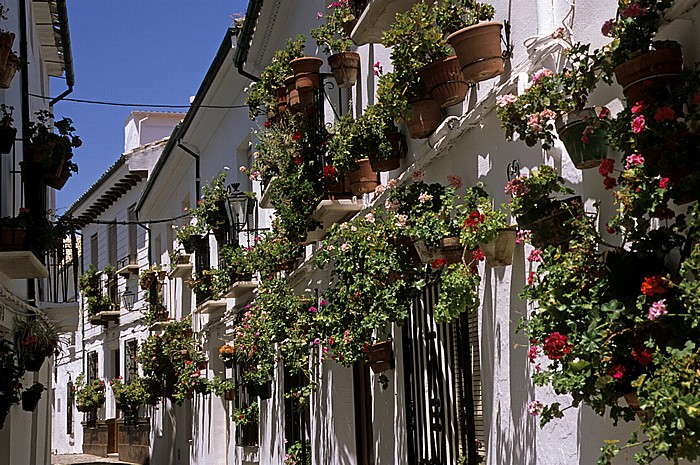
(299, 453)
(357, 138)
(334, 36)
(538, 193)
(89, 396)
(372, 283)
(253, 339)
(53, 147)
(129, 396)
(10, 377)
(634, 28)
(550, 95)
(246, 415)
(262, 93)
(479, 222)
(453, 15)
(227, 353)
(273, 248)
(220, 386)
(35, 339)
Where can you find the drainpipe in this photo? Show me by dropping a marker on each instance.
(245, 36)
(197, 177)
(67, 52)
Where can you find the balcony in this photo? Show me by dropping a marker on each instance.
(21, 264)
(241, 288)
(128, 266)
(211, 306)
(329, 212)
(377, 16)
(65, 315)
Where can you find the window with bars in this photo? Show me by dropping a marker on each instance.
(130, 366)
(70, 402)
(248, 434)
(296, 412)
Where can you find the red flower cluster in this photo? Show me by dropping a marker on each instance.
(654, 285)
(478, 255)
(617, 371)
(643, 357)
(438, 262)
(474, 219)
(296, 135)
(329, 171)
(556, 345)
(605, 169)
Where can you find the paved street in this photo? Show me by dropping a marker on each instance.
(83, 459)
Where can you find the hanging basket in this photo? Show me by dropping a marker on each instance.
(147, 279)
(7, 39)
(645, 74)
(7, 138)
(499, 252)
(426, 117)
(12, 239)
(451, 249)
(585, 150)
(57, 182)
(30, 400)
(33, 361)
(264, 391)
(345, 66)
(444, 81)
(380, 356)
(364, 179)
(306, 73)
(478, 49)
(6, 76)
(552, 228)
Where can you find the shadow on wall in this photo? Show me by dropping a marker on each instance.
(334, 437)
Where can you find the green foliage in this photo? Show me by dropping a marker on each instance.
(334, 36)
(129, 396)
(35, 338)
(459, 291)
(537, 193)
(246, 415)
(273, 248)
(88, 396)
(11, 372)
(354, 139)
(262, 93)
(219, 386)
(54, 147)
(298, 453)
(479, 222)
(453, 15)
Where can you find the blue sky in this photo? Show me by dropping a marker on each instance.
(147, 51)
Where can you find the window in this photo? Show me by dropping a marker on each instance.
(92, 372)
(112, 244)
(130, 365)
(70, 400)
(94, 251)
(296, 417)
(246, 435)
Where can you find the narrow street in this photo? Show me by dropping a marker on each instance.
(84, 459)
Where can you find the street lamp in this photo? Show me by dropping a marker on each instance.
(237, 206)
(128, 299)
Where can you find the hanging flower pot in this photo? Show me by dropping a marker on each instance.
(7, 39)
(230, 394)
(31, 397)
(57, 182)
(7, 138)
(12, 238)
(292, 93)
(426, 117)
(345, 66)
(390, 161)
(584, 140)
(380, 356)
(444, 81)
(499, 252)
(281, 93)
(147, 279)
(33, 361)
(478, 49)
(338, 186)
(363, 180)
(306, 73)
(552, 228)
(643, 73)
(6, 76)
(451, 249)
(192, 243)
(264, 391)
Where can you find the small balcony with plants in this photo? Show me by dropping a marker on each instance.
(99, 291)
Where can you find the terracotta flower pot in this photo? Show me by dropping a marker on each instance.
(12, 238)
(427, 116)
(451, 249)
(6, 40)
(292, 93)
(345, 66)
(281, 93)
(642, 74)
(57, 182)
(338, 187)
(6, 76)
(499, 252)
(552, 228)
(380, 356)
(585, 150)
(306, 73)
(364, 179)
(444, 81)
(478, 48)
(230, 395)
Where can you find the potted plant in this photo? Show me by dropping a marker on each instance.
(129, 396)
(246, 415)
(335, 39)
(190, 236)
(7, 132)
(11, 373)
(89, 396)
(13, 230)
(298, 453)
(35, 340)
(14, 63)
(51, 150)
(262, 94)
(227, 354)
(477, 44)
(541, 205)
(274, 252)
(31, 396)
(380, 356)
(223, 387)
(7, 38)
(642, 66)
(559, 100)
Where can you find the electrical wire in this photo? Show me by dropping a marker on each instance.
(121, 104)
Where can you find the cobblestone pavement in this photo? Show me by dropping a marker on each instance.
(86, 459)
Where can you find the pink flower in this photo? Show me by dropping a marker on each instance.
(535, 256)
(634, 159)
(317, 341)
(548, 114)
(617, 371)
(370, 217)
(392, 183)
(401, 221)
(242, 169)
(478, 255)
(638, 124)
(378, 70)
(345, 247)
(657, 309)
(313, 309)
(379, 190)
(523, 235)
(608, 27)
(544, 72)
(604, 112)
(606, 167)
(319, 15)
(418, 175)
(531, 278)
(532, 353)
(663, 183)
(455, 181)
(322, 302)
(664, 114)
(505, 100)
(633, 10)
(425, 197)
(392, 206)
(637, 108)
(535, 407)
(516, 187)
